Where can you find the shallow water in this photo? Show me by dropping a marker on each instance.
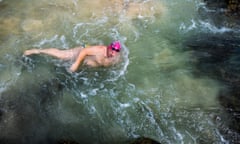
(152, 93)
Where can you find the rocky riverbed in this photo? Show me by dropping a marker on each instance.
(218, 56)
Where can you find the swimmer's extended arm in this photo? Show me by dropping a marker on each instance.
(79, 60)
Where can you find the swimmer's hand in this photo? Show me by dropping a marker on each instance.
(74, 67)
(80, 58)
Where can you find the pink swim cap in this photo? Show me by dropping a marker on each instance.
(116, 45)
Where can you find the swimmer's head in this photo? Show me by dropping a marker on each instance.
(115, 46)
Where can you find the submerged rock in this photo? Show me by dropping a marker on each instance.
(223, 12)
(23, 109)
(218, 56)
(140, 10)
(32, 25)
(144, 140)
(9, 25)
(1, 113)
(231, 7)
(66, 142)
(140, 140)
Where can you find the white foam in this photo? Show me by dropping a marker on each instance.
(46, 41)
(75, 29)
(186, 28)
(64, 42)
(93, 92)
(83, 95)
(204, 26)
(124, 105)
(212, 28)
(75, 3)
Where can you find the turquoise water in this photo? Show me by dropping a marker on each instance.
(152, 93)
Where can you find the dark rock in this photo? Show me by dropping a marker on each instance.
(144, 140)
(218, 57)
(1, 113)
(66, 142)
(222, 13)
(216, 3)
(231, 7)
(24, 111)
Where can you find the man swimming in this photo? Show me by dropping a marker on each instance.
(92, 56)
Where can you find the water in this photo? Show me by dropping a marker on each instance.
(152, 93)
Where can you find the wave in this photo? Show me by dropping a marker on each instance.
(204, 26)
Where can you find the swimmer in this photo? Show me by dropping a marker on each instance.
(92, 56)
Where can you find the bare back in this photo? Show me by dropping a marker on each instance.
(101, 58)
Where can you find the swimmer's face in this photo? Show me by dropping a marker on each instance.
(113, 53)
(114, 48)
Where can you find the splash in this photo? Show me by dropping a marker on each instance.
(151, 92)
